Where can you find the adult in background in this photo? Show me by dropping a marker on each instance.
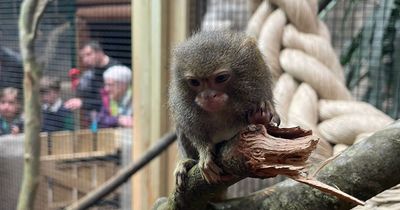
(117, 98)
(88, 97)
(55, 117)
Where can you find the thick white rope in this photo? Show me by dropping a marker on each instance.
(309, 80)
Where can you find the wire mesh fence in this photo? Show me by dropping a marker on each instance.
(76, 42)
(365, 35)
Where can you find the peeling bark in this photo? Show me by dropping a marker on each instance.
(363, 170)
(258, 154)
(253, 153)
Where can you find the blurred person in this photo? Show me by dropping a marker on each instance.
(91, 81)
(117, 98)
(55, 117)
(10, 118)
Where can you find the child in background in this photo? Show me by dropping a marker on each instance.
(10, 119)
(55, 117)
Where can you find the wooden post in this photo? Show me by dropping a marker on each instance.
(178, 32)
(157, 25)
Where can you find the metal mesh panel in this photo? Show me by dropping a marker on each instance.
(365, 35)
(220, 15)
(65, 27)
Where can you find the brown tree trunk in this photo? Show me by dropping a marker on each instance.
(31, 11)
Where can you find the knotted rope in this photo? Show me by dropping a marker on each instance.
(309, 80)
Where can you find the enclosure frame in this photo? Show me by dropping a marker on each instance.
(157, 26)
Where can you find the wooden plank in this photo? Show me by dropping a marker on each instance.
(173, 158)
(151, 46)
(157, 183)
(101, 176)
(106, 140)
(84, 142)
(64, 178)
(74, 173)
(98, 2)
(178, 31)
(144, 186)
(44, 146)
(86, 173)
(75, 156)
(41, 199)
(66, 182)
(62, 143)
(105, 13)
(105, 170)
(110, 170)
(58, 205)
(61, 193)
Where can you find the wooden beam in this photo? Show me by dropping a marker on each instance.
(146, 186)
(77, 156)
(99, 2)
(102, 13)
(67, 179)
(178, 31)
(157, 24)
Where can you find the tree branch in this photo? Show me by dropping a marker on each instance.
(253, 153)
(363, 170)
(31, 11)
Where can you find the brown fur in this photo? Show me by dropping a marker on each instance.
(250, 86)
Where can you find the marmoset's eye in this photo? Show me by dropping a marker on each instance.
(222, 78)
(194, 82)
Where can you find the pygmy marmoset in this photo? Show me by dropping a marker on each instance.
(219, 85)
